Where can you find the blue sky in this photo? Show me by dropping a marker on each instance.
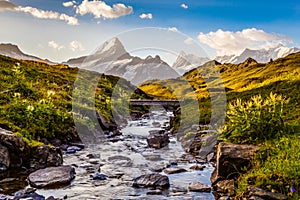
(246, 24)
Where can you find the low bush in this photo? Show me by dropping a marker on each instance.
(255, 121)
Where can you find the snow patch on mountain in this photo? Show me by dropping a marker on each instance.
(261, 56)
(112, 58)
(186, 62)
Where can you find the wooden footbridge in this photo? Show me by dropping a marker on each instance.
(143, 102)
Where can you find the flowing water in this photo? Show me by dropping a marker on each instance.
(128, 158)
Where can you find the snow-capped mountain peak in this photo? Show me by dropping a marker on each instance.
(112, 58)
(186, 62)
(112, 46)
(261, 55)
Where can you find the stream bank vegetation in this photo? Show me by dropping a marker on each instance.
(263, 108)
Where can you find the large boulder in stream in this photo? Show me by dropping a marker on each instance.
(52, 177)
(151, 180)
(158, 139)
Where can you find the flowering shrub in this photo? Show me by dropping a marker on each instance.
(256, 120)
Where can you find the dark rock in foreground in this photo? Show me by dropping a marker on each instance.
(199, 187)
(152, 180)
(12, 150)
(52, 177)
(98, 176)
(14, 153)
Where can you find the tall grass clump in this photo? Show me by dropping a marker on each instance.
(256, 120)
(276, 167)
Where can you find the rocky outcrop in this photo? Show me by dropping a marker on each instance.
(12, 148)
(158, 139)
(151, 180)
(53, 177)
(231, 160)
(4, 158)
(45, 156)
(15, 153)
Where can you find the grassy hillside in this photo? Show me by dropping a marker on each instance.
(36, 98)
(272, 122)
(243, 80)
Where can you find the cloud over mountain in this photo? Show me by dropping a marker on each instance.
(101, 9)
(228, 42)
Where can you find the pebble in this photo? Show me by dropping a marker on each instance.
(98, 176)
(197, 167)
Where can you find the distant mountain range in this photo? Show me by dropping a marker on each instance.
(13, 51)
(261, 56)
(112, 58)
(186, 62)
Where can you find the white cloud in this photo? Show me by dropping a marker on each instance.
(184, 6)
(146, 16)
(43, 14)
(188, 41)
(68, 3)
(101, 9)
(55, 45)
(38, 13)
(227, 42)
(76, 46)
(174, 29)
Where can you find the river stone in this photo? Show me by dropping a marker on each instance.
(4, 158)
(174, 170)
(225, 186)
(52, 177)
(158, 141)
(46, 156)
(152, 180)
(197, 167)
(199, 187)
(98, 176)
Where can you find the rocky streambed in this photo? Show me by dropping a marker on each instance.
(144, 162)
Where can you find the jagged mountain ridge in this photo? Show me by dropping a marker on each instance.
(112, 58)
(14, 51)
(261, 56)
(186, 62)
